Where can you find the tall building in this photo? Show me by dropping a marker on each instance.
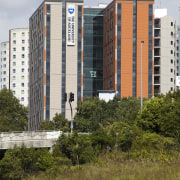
(4, 66)
(164, 52)
(93, 51)
(128, 26)
(56, 59)
(19, 63)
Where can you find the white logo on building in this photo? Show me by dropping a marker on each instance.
(71, 25)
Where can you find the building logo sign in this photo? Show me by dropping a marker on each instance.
(71, 25)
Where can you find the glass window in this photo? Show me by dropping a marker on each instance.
(14, 49)
(14, 70)
(22, 77)
(22, 62)
(22, 91)
(22, 70)
(23, 48)
(14, 63)
(14, 41)
(14, 85)
(14, 56)
(22, 84)
(14, 34)
(23, 33)
(22, 55)
(22, 99)
(23, 41)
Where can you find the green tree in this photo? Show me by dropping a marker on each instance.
(61, 122)
(47, 125)
(13, 115)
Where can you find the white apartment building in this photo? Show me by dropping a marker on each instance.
(164, 52)
(4, 66)
(19, 63)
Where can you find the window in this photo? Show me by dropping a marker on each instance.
(23, 41)
(171, 79)
(14, 41)
(22, 77)
(14, 63)
(22, 62)
(14, 56)
(14, 92)
(22, 84)
(23, 48)
(171, 61)
(22, 55)
(171, 51)
(171, 88)
(14, 85)
(4, 59)
(22, 99)
(171, 33)
(171, 70)
(22, 70)
(171, 42)
(4, 65)
(14, 70)
(14, 49)
(4, 52)
(23, 33)
(171, 23)
(14, 35)
(4, 79)
(22, 91)
(4, 72)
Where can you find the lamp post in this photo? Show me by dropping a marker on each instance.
(142, 42)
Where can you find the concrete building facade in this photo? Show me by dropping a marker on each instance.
(19, 63)
(4, 66)
(56, 59)
(164, 52)
(126, 25)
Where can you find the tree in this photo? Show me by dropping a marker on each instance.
(13, 115)
(47, 125)
(61, 122)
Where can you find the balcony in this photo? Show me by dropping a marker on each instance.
(157, 43)
(157, 23)
(157, 33)
(157, 52)
(156, 70)
(157, 80)
(156, 61)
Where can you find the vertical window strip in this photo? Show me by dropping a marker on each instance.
(48, 25)
(150, 51)
(63, 89)
(79, 52)
(134, 47)
(119, 49)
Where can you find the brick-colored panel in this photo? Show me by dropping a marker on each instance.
(45, 9)
(44, 79)
(142, 35)
(44, 101)
(44, 55)
(126, 49)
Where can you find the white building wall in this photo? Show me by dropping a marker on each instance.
(168, 54)
(19, 57)
(4, 66)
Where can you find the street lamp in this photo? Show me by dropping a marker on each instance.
(142, 42)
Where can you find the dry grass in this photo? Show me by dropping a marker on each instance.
(114, 170)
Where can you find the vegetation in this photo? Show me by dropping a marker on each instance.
(58, 123)
(13, 115)
(119, 142)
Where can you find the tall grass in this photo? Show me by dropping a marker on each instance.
(116, 169)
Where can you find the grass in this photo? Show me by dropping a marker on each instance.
(108, 169)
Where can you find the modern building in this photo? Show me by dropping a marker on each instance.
(19, 63)
(93, 51)
(56, 59)
(164, 52)
(128, 32)
(4, 66)
(178, 51)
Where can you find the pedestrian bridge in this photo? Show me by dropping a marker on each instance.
(39, 139)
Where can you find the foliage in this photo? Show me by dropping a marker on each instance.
(76, 147)
(58, 123)
(13, 115)
(93, 113)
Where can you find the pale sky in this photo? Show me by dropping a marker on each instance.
(16, 13)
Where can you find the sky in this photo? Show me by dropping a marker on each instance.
(16, 13)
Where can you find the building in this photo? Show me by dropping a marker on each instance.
(19, 63)
(128, 26)
(178, 51)
(56, 57)
(164, 52)
(4, 66)
(93, 51)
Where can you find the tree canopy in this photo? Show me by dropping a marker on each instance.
(13, 115)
